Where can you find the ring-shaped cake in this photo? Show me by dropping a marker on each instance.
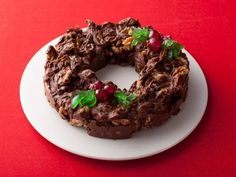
(106, 111)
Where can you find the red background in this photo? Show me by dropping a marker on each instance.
(206, 28)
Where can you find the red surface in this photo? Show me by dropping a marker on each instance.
(206, 28)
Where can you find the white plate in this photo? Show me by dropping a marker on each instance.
(144, 143)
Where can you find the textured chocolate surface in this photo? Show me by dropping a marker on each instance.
(71, 65)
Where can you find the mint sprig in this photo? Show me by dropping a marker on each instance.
(84, 98)
(174, 48)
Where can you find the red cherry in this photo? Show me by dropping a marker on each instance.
(154, 44)
(156, 35)
(151, 31)
(98, 85)
(102, 95)
(110, 89)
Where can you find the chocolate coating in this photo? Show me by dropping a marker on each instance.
(71, 65)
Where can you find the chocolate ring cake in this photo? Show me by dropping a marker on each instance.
(103, 109)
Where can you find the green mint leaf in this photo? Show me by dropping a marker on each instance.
(140, 35)
(124, 99)
(134, 42)
(167, 43)
(89, 98)
(75, 102)
(170, 54)
(84, 98)
(139, 31)
(120, 95)
(177, 47)
(124, 102)
(132, 97)
(174, 48)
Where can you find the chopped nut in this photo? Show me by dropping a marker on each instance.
(118, 43)
(120, 122)
(127, 41)
(76, 122)
(138, 83)
(157, 76)
(83, 109)
(124, 122)
(116, 49)
(127, 47)
(67, 105)
(184, 70)
(62, 111)
(114, 122)
(67, 76)
(63, 77)
(126, 30)
(147, 120)
(130, 31)
(51, 53)
(160, 76)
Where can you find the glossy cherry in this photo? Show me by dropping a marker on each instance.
(98, 85)
(102, 95)
(154, 42)
(110, 89)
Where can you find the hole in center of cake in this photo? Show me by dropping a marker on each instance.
(122, 76)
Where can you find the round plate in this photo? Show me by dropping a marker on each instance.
(73, 139)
